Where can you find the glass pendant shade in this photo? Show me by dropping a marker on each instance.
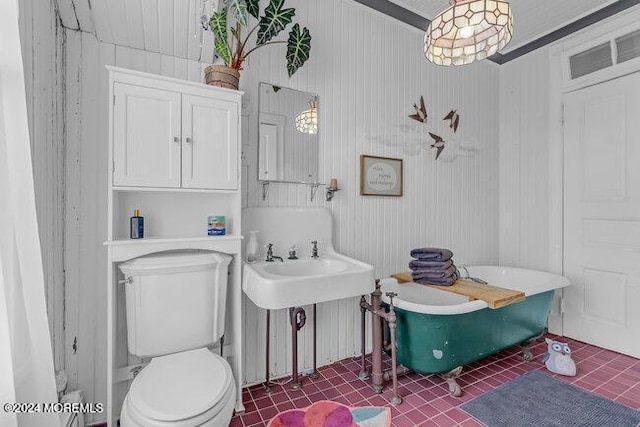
(467, 31)
(307, 121)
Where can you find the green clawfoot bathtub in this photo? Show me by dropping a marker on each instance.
(438, 332)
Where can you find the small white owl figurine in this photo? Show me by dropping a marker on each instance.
(558, 359)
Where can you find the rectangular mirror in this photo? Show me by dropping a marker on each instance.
(287, 134)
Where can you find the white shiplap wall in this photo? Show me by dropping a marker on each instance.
(368, 74)
(524, 157)
(41, 39)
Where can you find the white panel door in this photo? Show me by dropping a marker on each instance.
(602, 214)
(146, 137)
(210, 143)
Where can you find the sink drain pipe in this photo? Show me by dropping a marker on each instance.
(378, 315)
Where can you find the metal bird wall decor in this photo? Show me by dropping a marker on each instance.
(438, 144)
(421, 116)
(454, 120)
(421, 113)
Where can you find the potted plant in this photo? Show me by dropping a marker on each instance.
(232, 45)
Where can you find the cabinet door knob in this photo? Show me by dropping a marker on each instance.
(176, 139)
(188, 140)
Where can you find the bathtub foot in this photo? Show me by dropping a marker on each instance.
(395, 400)
(526, 352)
(526, 346)
(450, 377)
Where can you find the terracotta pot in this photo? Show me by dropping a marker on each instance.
(222, 76)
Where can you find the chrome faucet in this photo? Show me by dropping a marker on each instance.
(468, 277)
(270, 257)
(292, 252)
(314, 250)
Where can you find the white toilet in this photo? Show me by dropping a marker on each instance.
(175, 309)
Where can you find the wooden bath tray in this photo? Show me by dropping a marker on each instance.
(494, 296)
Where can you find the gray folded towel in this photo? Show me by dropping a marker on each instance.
(433, 274)
(430, 265)
(448, 281)
(432, 254)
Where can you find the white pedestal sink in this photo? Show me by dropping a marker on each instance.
(291, 283)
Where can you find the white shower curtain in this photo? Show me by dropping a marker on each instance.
(26, 360)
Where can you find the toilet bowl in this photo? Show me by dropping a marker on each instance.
(176, 303)
(191, 388)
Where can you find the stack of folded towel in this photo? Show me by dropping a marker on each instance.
(433, 266)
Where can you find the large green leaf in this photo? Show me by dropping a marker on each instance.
(218, 25)
(239, 9)
(298, 48)
(254, 8)
(275, 19)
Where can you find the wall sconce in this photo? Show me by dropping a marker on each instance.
(331, 189)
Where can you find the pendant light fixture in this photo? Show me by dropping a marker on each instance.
(468, 30)
(307, 121)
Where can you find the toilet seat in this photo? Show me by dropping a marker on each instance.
(188, 389)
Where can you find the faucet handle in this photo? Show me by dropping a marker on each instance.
(314, 249)
(391, 296)
(292, 252)
(269, 247)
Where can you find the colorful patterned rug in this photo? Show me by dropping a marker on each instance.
(332, 414)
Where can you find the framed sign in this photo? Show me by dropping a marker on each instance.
(380, 176)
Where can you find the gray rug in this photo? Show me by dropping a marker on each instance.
(536, 399)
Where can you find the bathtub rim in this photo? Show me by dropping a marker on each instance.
(559, 281)
(392, 285)
(464, 307)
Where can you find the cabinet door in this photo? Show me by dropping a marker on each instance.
(210, 143)
(146, 137)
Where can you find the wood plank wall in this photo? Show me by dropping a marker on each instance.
(524, 156)
(42, 47)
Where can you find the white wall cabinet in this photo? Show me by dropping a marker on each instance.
(173, 139)
(174, 150)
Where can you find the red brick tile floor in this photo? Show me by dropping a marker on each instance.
(426, 400)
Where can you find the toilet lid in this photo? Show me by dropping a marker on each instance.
(181, 386)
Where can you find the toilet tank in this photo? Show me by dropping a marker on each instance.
(175, 301)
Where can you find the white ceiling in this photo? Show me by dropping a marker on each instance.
(172, 27)
(532, 19)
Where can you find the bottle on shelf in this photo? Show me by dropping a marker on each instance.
(136, 225)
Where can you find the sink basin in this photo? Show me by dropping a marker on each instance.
(307, 267)
(293, 283)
